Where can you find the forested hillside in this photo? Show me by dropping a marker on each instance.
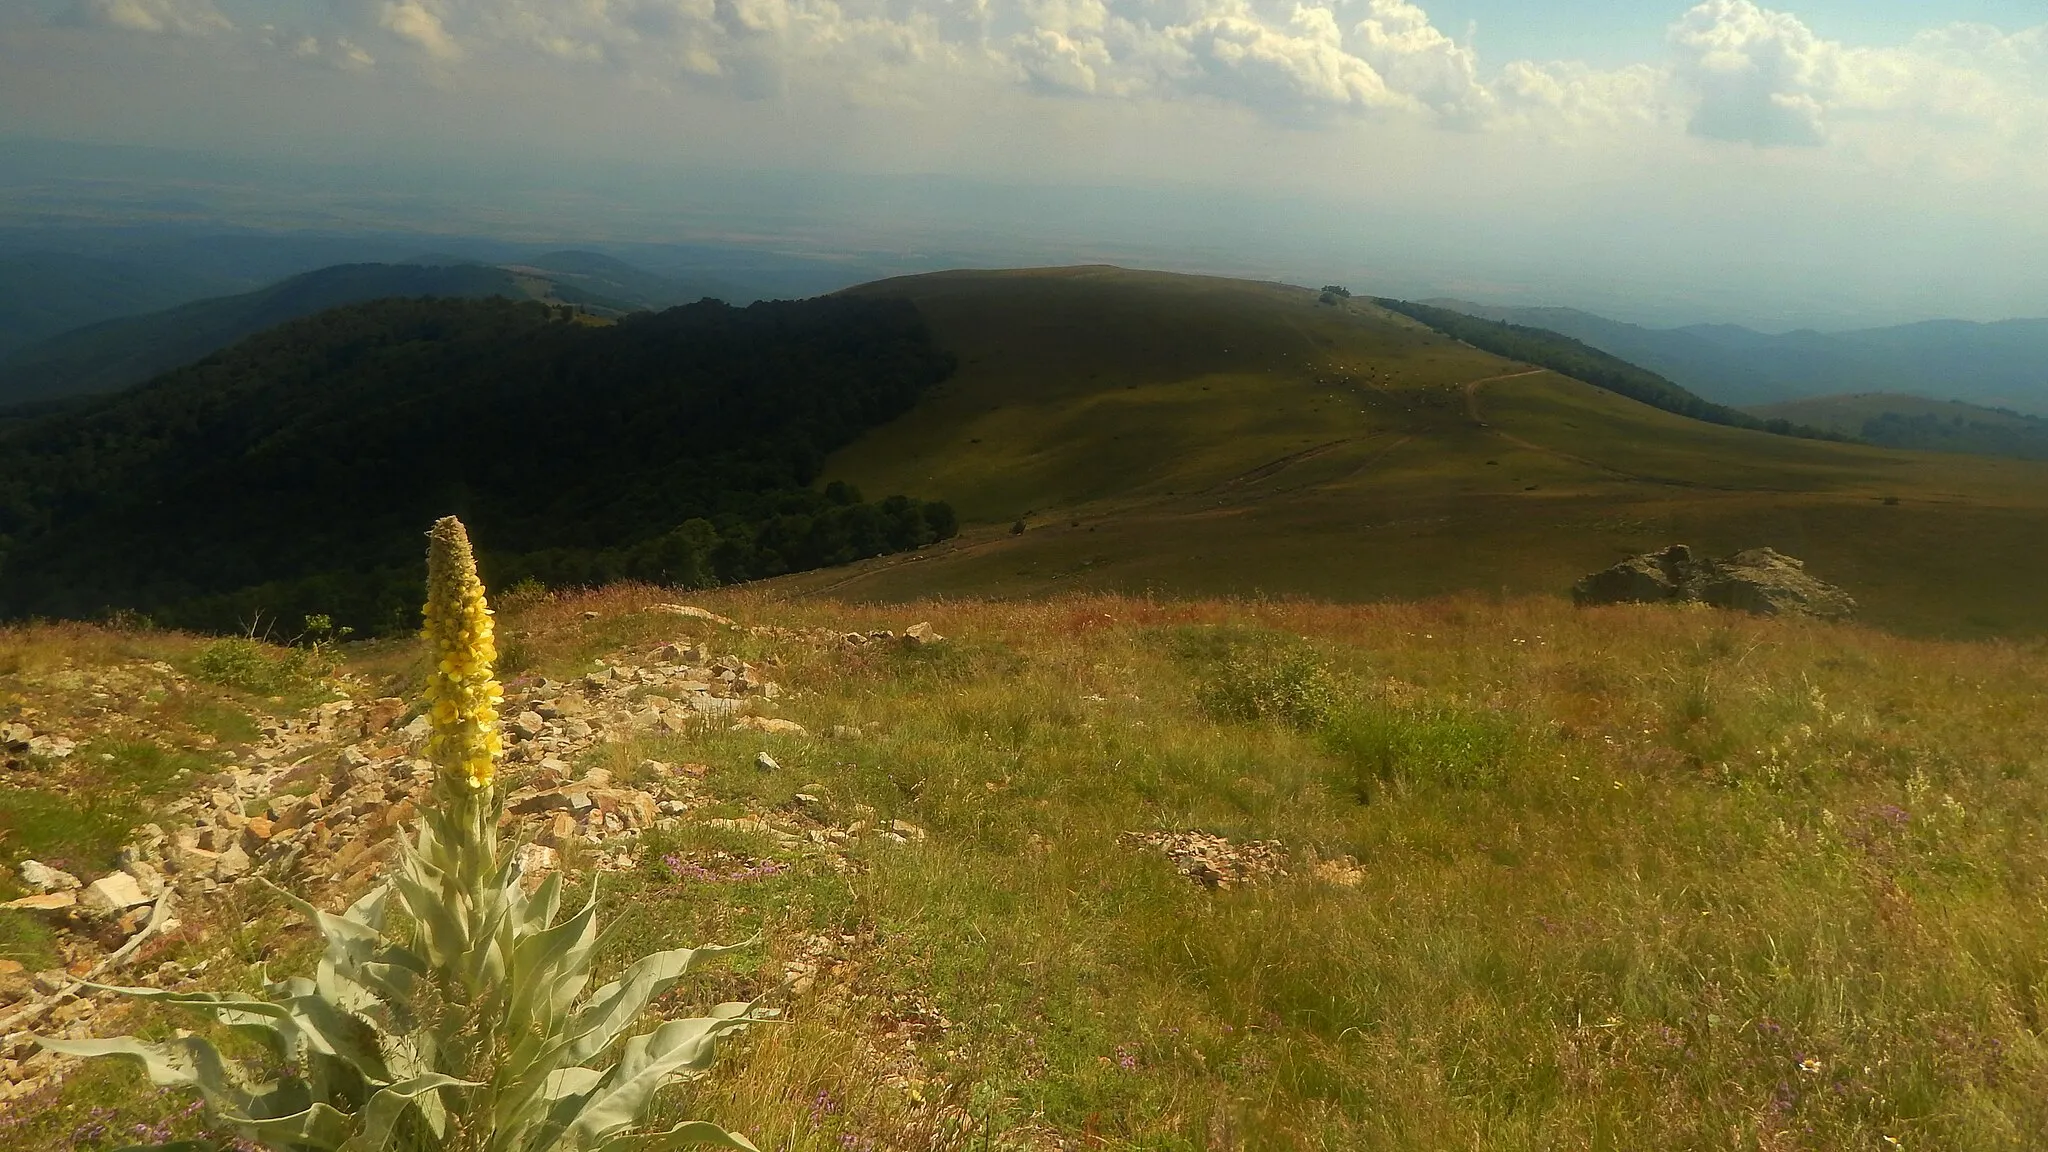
(125, 351)
(1897, 421)
(292, 474)
(2003, 364)
(1581, 361)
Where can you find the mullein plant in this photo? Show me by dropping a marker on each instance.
(466, 1027)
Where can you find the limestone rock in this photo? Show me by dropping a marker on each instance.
(113, 894)
(43, 878)
(1757, 580)
(766, 763)
(47, 902)
(689, 612)
(920, 634)
(769, 724)
(15, 737)
(535, 859)
(233, 864)
(51, 747)
(1770, 583)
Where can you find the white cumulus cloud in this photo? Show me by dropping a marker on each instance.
(415, 21)
(1765, 77)
(172, 17)
(1732, 71)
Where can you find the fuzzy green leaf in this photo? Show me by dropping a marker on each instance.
(380, 1117)
(551, 967)
(320, 1126)
(167, 1066)
(648, 1062)
(544, 905)
(614, 1007)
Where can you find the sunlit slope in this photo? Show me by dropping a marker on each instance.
(1193, 435)
(1078, 384)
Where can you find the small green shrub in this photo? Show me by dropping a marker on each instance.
(1436, 748)
(1292, 686)
(253, 666)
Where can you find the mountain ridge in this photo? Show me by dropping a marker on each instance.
(125, 351)
(2001, 363)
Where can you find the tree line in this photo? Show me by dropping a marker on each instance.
(292, 473)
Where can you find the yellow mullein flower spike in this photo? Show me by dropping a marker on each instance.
(462, 696)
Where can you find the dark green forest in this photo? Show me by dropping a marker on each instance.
(294, 473)
(128, 350)
(1569, 357)
(2015, 435)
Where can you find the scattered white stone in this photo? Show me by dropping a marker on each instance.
(769, 724)
(536, 859)
(43, 878)
(920, 634)
(766, 763)
(51, 747)
(233, 864)
(116, 893)
(693, 613)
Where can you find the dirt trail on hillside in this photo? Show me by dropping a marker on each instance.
(1273, 466)
(1472, 392)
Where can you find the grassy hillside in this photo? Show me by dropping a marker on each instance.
(1627, 878)
(1897, 421)
(120, 353)
(1202, 436)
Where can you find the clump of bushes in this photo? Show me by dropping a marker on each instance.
(253, 666)
(1293, 686)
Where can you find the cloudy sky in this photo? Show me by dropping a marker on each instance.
(1846, 159)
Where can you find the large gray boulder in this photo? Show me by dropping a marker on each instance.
(1758, 580)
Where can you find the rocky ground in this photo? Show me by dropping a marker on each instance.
(314, 802)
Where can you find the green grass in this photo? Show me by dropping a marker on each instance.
(1204, 437)
(1569, 932)
(80, 824)
(1627, 878)
(1619, 878)
(27, 941)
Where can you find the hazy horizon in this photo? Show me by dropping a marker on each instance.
(1834, 165)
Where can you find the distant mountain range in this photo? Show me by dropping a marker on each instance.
(45, 293)
(125, 351)
(2004, 364)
